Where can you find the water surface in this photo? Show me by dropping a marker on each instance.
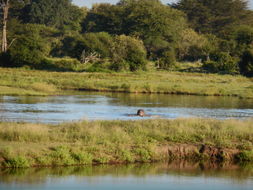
(179, 176)
(111, 106)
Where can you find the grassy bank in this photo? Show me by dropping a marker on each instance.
(28, 82)
(24, 145)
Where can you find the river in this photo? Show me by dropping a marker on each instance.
(113, 106)
(179, 176)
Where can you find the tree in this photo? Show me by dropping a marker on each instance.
(55, 13)
(158, 25)
(213, 16)
(6, 5)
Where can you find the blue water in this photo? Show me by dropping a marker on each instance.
(111, 106)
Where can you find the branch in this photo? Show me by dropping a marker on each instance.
(12, 42)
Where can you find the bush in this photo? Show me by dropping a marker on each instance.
(61, 64)
(29, 48)
(246, 63)
(221, 62)
(17, 162)
(168, 60)
(128, 53)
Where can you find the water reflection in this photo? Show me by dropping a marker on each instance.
(92, 106)
(138, 176)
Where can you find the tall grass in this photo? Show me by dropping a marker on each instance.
(43, 82)
(117, 141)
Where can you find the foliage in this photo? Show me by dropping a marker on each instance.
(57, 13)
(246, 63)
(213, 16)
(57, 35)
(17, 162)
(167, 60)
(191, 45)
(29, 48)
(128, 52)
(221, 62)
(150, 21)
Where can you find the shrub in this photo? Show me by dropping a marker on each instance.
(17, 162)
(82, 158)
(221, 62)
(61, 64)
(128, 52)
(29, 48)
(245, 156)
(61, 156)
(168, 59)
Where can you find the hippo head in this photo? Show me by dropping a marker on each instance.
(140, 112)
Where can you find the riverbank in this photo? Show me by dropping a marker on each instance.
(33, 82)
(108, 142)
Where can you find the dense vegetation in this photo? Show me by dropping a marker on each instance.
(131, 35)
(24, 144)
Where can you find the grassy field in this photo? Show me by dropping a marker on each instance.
(29, 82)
(98, 142)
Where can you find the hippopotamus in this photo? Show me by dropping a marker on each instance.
(141, 113)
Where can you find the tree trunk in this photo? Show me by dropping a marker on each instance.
(5, 7)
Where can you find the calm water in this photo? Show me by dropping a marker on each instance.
(179, 176)
(92, 106)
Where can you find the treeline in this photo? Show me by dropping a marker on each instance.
(131, 35)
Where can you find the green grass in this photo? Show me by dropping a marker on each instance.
(33, 82)
(25, 144)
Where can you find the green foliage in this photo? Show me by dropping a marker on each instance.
(156, 24)
(104, 18)
(57, 13)
(244, 35)
(128, 54)
(213, 16)
(61, 156)
(143, 153)
(60, 64)
(191, 45)
(221, 62)
(82, 157)
(245, 156)
(100, 43)
(246, 63)
(17, 162)
(29, 48)
(167, 60)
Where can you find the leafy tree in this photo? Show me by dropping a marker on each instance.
(156, 24)
(191, 45)
(6, 5)
(30, 48)
(221, 62)
(213, 16)
(104, 18)
(57, 13)
(128, 54)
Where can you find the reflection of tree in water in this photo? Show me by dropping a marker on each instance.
(228, 171)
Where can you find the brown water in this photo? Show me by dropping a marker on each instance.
(111, 106)
(178, 176)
